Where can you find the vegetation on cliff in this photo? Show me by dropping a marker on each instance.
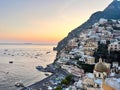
(111, 12)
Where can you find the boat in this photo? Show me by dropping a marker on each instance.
(47, 52)
(10, 61)
(47, 74)
(39, 67)
(54, 48)
(19, 84)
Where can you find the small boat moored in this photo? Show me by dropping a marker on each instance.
(39, 67)
(48, 52)
(19, 84)
(47, 74)
(10, 61)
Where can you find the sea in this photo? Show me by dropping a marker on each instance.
(25, 58)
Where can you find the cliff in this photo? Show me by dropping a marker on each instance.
(111, 12)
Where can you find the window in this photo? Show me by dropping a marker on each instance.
(97, 86)
(115, 48)
(115, 45)
(99, 75)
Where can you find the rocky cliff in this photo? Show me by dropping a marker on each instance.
(111, 12)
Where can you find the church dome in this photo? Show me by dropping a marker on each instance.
(100, 66)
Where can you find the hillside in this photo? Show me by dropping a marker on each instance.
(110, 12)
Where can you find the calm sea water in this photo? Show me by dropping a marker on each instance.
(25, 58)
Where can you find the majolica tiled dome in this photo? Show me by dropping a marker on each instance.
(100, 66)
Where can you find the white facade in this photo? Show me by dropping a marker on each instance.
(102, 21)
(102, 41)
(115, 64)
(115, 46)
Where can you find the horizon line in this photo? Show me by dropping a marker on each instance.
(20, 43)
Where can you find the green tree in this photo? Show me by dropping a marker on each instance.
(69, 78)
(58, 88)
(65, 81)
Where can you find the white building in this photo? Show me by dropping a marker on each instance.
(103, 21)
(115, 64)
(115, 46)
(102, 41)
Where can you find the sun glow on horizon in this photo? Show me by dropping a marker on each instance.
(51, 31)
(44, 20)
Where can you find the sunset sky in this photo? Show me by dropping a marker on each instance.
(44, 20)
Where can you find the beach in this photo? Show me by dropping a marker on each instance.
(46, 83)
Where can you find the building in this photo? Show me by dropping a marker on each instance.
(102, 41)
(90, 44)
(100, 73)
(88, 59)
(89, 52)
(72, 44)
(115, 46)
(107, 87)
(103, 21)
(112, 83)
(74, 70)
(95, 81)
(115, 64)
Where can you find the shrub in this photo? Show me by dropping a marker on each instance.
(69, 78)
(86, 67)
(65, 81)
(58, 88)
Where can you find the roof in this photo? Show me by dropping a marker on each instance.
(113, 82)
(90, 75)
(100, 66)
(98, 81)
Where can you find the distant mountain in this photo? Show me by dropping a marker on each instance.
(111, 12)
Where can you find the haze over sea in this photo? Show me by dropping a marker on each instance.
(25, 58)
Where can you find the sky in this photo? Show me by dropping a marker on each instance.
(45, 21)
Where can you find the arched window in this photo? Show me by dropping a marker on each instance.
(98, 86)
(99, 75)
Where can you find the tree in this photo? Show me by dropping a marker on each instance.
(58, 88)
(69, 78)
(65, 81)
(86, 67)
